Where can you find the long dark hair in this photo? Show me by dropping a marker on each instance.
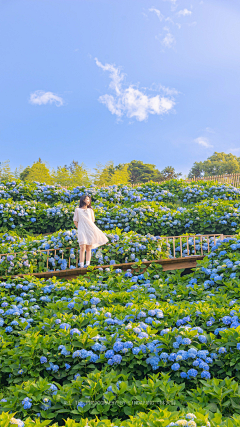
(82, 201)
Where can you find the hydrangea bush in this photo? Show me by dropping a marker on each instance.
(167, 191)
(24, 255)
(111, 343)
(206, 217)
(117, 348)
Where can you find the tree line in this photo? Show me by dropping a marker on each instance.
(217, 164)
(77, 174)
(135, 172)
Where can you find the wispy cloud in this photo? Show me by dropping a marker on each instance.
(39, 97)
(173, 3)
(184, 12)
(168, 19)
(201, 140)
(210, 130)
(158, 13)
(168, 91)
(168, 41)
(130, 101)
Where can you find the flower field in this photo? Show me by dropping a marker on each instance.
(114, 348)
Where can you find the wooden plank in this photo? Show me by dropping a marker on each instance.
(194, 244)
(168, 264)
(187, 246)
(55, 253)
(181, 265)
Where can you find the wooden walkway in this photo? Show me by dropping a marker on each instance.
(167, 264)
(178, 244)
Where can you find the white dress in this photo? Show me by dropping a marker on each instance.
(88, 232)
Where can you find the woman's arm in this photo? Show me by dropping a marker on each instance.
(75, 218)
(93, 217)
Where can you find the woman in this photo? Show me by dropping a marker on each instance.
(89, 235)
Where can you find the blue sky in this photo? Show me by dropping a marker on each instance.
(100, 80)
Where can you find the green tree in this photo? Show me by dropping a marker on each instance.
(217, 164)
(134, 172)
(24, 174)
(5, 171)
(197, 170)
(120, 176)
(18, 171)
(111, 175)
(39, 172)
(72, 175)
(62, 176)
(170, 173)
(79, 174)
(143, 172)
(103, 174)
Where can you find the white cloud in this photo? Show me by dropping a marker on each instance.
(131, 101)
(203, 141)
(173, 3)
(210, 130)
(168, 19)
(158, 13)
(192, 24)
(39, 97)
(168, 40)
(184, 12)
(168, 91)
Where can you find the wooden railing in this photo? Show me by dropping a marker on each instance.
(203, 239)
(182, 245)
(233, 179)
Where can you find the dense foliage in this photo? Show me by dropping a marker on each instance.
(209, 209)
(114, 348)
(74, 348)
(217, 164)
(24, 255)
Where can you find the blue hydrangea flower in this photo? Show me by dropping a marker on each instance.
(175, 367)
(27, 403)
(192, 373)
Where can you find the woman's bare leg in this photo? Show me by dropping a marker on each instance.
(82, 255)
(88, 254)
